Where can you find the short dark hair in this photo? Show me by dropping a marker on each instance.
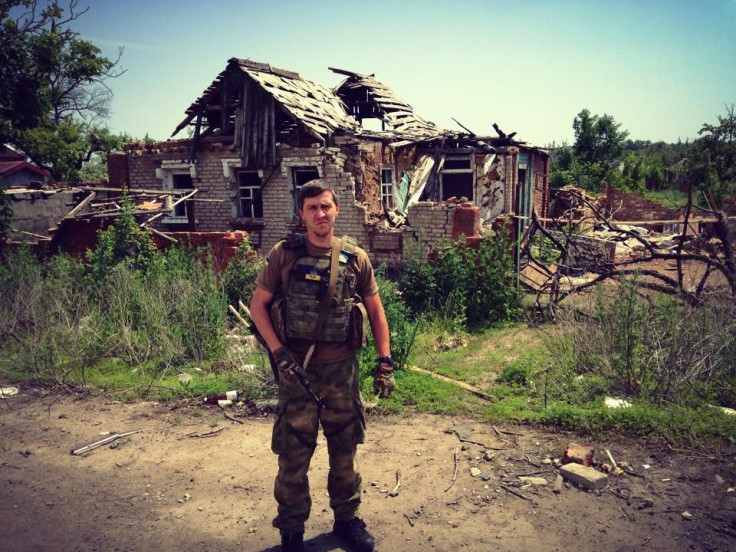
(313, 188)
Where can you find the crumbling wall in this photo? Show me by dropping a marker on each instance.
(433, 222)
(586, 253)
(213, 203)
(490, 185)
(371, 159)
(223, 246)
(279, 216)
(38, 211)
(540, 187)
(630, 206)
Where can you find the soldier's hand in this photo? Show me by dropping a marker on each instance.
(383, 378)
(287, 364)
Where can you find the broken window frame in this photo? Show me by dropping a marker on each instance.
(454, 161)
(167, 173)
(388, 187)
(297, 181)
(250, 197)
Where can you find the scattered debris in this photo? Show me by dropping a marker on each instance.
(456, 383)
(608, 452)
(579, 454)
(725, 410)
(475, 472)
(454, 475)
(232, 418)
(476, 434)
(533, 480)
(610, 402)
(6, 392)
(395, 492)
(102, 442)
(513, 492)
(687, 515)
(559, 482)
(203, 435)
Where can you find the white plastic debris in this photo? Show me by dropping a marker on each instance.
(610, 402)
(725, 410)
(8, 392)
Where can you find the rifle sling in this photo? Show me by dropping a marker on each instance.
(324, 306)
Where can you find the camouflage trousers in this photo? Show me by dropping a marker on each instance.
(295, 437)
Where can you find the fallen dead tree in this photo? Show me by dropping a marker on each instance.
(692, 270)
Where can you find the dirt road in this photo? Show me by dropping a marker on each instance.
(172, 487)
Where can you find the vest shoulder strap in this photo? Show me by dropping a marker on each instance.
(349, 245)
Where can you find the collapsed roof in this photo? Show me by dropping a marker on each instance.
(259, 104)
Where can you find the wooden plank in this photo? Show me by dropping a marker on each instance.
(456, 383)
(81, 205)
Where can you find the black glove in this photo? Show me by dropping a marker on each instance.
(286, 364)
(383, 378)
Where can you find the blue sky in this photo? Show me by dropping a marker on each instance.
(660, 68)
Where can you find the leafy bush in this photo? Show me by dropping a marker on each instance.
(402, 326)
(240, 275)
(124, 241)
(461, 282)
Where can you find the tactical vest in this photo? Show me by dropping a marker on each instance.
(309, 278)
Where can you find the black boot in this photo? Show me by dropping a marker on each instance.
(292, 541)
(355, 534)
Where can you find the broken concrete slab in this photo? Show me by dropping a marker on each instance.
(584, 476)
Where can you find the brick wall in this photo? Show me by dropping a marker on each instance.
(629, 206)
(213, 204)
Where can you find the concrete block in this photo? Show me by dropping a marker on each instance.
(584, 476)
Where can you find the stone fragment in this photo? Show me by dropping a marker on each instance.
(533, 480)
(559, 482)
(475, 472)
(584, 476)
(579, 454)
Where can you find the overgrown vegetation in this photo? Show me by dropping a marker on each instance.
(134, 321)
(462, 283)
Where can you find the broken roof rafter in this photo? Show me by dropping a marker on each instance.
(311, 105)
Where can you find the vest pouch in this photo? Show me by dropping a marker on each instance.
(278, 316)
(358, 320)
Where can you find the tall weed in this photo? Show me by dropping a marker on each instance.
(646, 346)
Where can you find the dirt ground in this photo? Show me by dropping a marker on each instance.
(196, 479)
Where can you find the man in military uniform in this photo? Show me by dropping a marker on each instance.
(295, 277)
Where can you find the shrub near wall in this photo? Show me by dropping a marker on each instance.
(468, 280)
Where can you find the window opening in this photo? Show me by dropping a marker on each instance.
(299, 177)
(250, 200)
(181, 181)
(456, 177)
(387, 187)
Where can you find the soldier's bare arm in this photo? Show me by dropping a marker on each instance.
(259, 306)
(379, 324)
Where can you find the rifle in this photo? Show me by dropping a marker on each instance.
(304, 382)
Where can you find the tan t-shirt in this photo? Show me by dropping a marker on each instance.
(275, 277)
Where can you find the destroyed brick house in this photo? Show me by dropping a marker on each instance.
(258, 133)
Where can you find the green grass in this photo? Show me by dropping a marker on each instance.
(510, 362)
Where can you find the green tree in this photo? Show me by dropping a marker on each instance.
(598, 139)
(54, 96)
(712, 164)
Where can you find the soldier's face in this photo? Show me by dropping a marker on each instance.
(319, 214)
